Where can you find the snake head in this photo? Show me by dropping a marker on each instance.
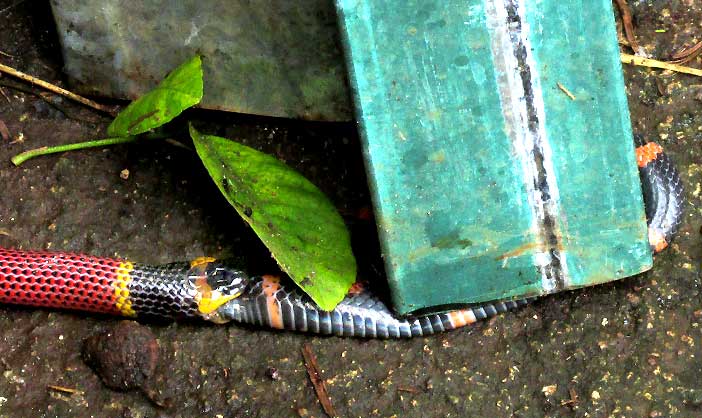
(215, 284)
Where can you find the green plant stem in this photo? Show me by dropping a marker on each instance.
(20, 158)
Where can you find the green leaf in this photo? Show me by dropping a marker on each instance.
(296, 221)
(181, 89)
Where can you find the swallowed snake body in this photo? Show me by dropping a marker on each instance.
(209, 289)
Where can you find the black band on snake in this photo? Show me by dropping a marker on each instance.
(208, 289)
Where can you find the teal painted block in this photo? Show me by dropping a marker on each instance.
(490, 182)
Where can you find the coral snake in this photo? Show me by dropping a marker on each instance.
(209, 289)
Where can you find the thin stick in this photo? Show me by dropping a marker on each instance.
(20, 158)
(686, 55)
(647, 62)
(4, 132)
(178, 144)
(11, 6)
(628, 25)
(573, 398)
(46, 97)
(57, 89)
(317, 381)
(4, 95)
(409, 389)
(566, 91)
(6, 54)
(64, 389)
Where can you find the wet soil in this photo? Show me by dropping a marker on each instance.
(627, 349)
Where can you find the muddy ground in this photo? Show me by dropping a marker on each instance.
(627, 349)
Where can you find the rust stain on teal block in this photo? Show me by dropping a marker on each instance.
(489, 181)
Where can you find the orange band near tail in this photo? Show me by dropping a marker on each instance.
(647, 153)
(462, 317)
(271, 285)
(657, 240)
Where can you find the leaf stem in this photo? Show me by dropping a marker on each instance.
(22, 157)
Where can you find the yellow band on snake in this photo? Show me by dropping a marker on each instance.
(121, 289)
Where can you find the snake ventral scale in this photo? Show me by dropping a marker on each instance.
(498, 144)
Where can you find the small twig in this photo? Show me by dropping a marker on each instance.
(686, 55)
(651, 63)
(12, 86)
(46, 97)
(409, 389)
(18, 139)
(4, 132)
(64, 389)
(178, 144)
(4, 95)
(573, 398)
(317, 381)
(17, 3)
(57, 89)
(566, 91)
(6, 54)
(628, 25)
(28, 90)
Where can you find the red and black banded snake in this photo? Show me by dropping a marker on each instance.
(212, 290)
